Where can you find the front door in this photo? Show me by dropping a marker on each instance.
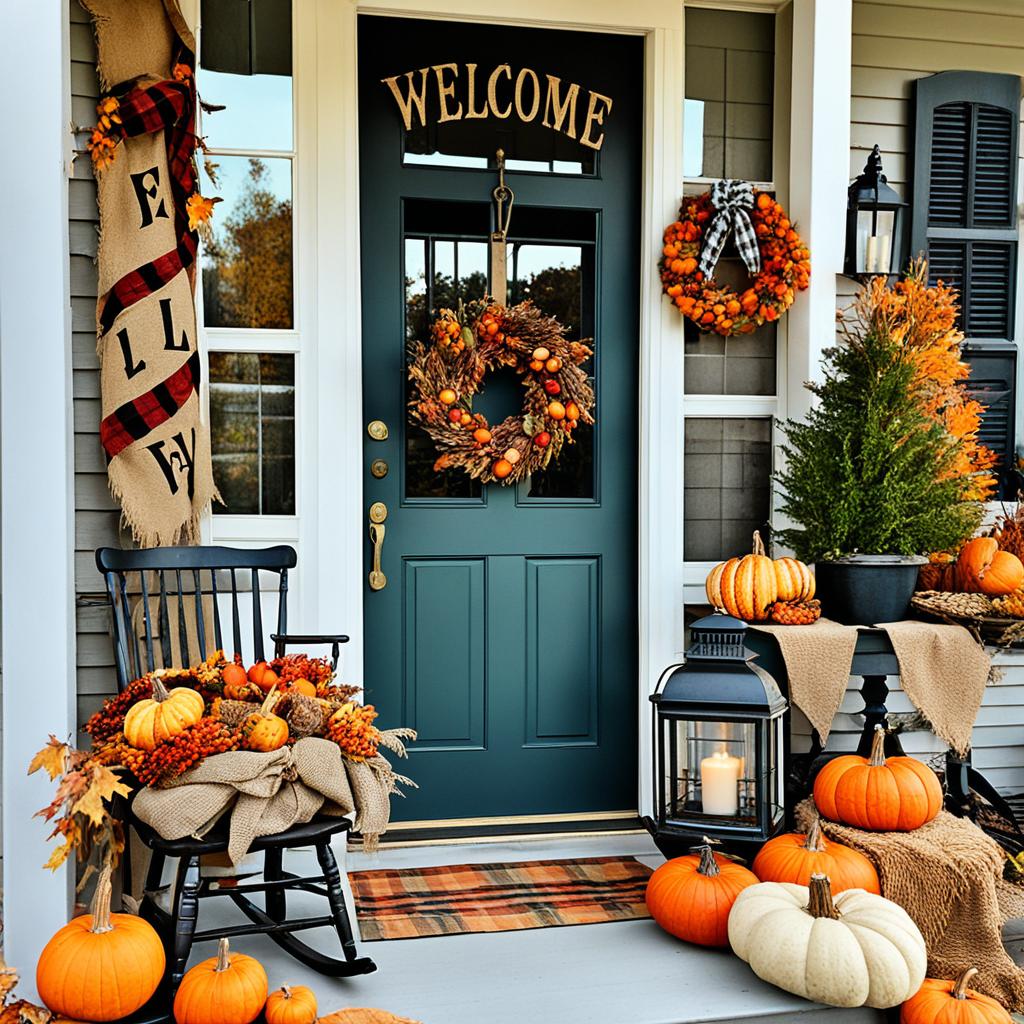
(506, 633)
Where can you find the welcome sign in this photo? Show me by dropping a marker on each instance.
(448, 92)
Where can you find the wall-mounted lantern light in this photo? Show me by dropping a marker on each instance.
(874, 223)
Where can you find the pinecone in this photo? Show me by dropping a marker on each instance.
(233, 712)
(937, 576)
(305, 716)
(1011, 604)
(796, 613)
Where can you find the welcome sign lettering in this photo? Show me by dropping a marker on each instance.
(461, 92)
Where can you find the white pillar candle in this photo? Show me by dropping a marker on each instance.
(884, 255)
(719, 783)
(871, 257)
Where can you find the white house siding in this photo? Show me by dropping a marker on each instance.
(96, 515)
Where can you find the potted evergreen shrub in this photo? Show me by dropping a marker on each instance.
(886, 467)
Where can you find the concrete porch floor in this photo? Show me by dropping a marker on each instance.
(617, 973)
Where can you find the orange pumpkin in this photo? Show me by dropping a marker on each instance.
(291, 1004)
(166, 714)
(952, 1002)
(263, 730)
(100, 966)
(794, 857)
(263, 676)
(233, 675)
(690, 897)
(744, 587)
(793, 579)
(895, 794)
(982, 566)
(229, 988)
(303, 686)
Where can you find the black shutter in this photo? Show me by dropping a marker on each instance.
(964, 219)
(247, 37)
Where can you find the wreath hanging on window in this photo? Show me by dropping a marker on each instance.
(465, 346)
(776, 256)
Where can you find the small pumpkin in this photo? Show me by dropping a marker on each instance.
(100, 966)
(794, 580)
(895, 794)
(983, 567)
(263, 730)
(794, 857)
(952, 1002)
(856, 950)
(263, 676)
(233, 675)
(303, 686)
(229, 988)
(166, 714)
(744, 587)
(364, 1015)
(291, 1004)
(690, 897)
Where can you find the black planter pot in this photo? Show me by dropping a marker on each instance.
(860, 590)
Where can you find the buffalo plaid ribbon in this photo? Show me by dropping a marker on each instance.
(733, 201)
(169, 107)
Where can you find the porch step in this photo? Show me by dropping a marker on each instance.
(620, 973)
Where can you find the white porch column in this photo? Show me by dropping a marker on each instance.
(818, 178)
(36, 459)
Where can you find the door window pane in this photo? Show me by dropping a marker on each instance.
(730, 72)
(726, 485)
(247, 257)
(252, 429)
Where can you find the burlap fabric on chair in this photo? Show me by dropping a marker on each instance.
(948, 876)
(267, 793)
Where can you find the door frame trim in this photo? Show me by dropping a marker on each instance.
(327, 43)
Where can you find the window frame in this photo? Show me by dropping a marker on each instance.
(228, 527)
(771, 407)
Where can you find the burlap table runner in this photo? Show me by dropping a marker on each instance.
(944, 671)
(818, 660)
(267, 793)
(948, 876)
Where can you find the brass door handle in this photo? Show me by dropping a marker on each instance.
(378, 581)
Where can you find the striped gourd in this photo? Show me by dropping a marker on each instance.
(744, 587)
(795, 582)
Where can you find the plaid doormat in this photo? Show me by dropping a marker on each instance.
(413, 903)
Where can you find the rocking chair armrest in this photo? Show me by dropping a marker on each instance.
(284, 640)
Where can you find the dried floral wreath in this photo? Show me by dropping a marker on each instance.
(466, 345)
(784, 268)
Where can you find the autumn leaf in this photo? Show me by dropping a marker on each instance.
(200, 209)
(58, 856)
(53, 758)
(182, 72)
(103, 784)
(8, 979)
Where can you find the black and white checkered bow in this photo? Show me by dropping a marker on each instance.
(733, 201)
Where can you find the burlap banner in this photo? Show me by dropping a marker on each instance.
(152, 430)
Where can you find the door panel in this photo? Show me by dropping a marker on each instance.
(507, 631)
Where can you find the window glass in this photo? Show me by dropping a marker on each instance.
(257, 112)
(730, 70)
(726, 485)
(743, 365)
(247, 254)
(252, 427)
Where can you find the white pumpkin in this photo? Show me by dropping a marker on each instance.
(860, 950)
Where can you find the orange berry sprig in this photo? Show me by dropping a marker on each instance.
(352, 728)
(299, 666)
(106, 723)
(175, 756)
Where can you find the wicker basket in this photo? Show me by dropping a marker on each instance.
(973, 611)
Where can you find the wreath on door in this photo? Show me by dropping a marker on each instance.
(465, 346)
(776, 256)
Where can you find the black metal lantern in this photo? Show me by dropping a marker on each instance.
(718, 742)
(874, 223)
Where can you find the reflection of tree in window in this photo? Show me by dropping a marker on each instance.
(247, 279)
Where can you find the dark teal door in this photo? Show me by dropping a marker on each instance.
(507, 631)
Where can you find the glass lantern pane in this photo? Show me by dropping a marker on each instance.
(875, 231)
(710, 770)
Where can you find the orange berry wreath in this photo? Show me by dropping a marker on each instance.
(465, 346)
(785, 268)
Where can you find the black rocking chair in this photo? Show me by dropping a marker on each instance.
(175, 593)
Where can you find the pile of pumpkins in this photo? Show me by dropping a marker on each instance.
(809, 917)
(756, 588)
(103, 966)
(981, 567)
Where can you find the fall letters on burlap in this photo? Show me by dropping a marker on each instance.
(157, 445)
